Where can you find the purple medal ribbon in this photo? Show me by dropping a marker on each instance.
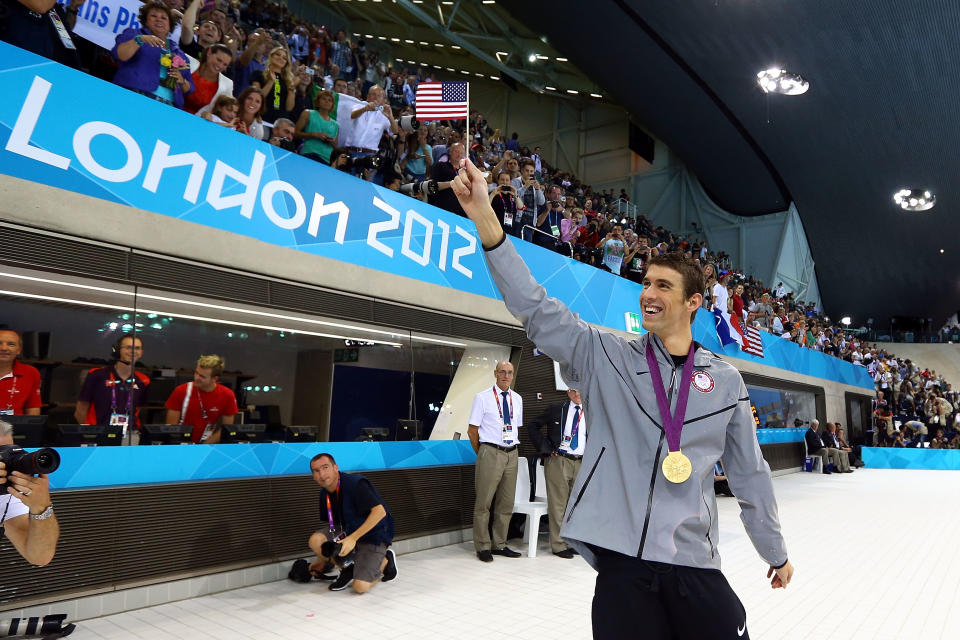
(672, 424)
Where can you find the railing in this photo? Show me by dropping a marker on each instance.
(624, 208)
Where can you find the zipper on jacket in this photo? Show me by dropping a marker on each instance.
(653, 473)
(710, 524)
(585, 483)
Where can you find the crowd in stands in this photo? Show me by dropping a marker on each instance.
(255, 68)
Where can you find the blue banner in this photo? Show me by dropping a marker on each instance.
(84, 467)
(902, 458)
(775, 436)
(65, 129)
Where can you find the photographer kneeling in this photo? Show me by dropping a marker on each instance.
(26, 511)
(358, 529)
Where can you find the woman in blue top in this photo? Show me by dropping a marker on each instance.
(149, 60)
(418, 155)
(318, 129)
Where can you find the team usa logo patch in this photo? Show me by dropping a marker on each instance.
(702, 381)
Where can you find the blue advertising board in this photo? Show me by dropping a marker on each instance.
(62, 128)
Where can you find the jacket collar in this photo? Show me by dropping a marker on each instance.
(702, 357)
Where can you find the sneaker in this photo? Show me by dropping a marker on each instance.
(390, 571)
(506, 552)
(485, 555)
(566, 553)
(344, 581)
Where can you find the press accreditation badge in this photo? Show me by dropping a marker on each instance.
(61, 30)
(507, 219)
(507, 433)
(119, 420)
(556, 230)
(566, 440)
(6, 412)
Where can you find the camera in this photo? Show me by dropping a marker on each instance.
(366, 162)
(15, 458)
(409, 123)
(417, 187)
(332, 550)
(287, 144)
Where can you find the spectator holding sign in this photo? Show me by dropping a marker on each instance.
(149, 61)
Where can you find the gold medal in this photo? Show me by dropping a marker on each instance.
(676, 467)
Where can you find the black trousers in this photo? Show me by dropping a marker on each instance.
(640, 599)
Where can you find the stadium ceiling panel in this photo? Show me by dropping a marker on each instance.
(880, 115)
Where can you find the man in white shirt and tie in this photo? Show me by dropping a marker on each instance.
(496, 415)
(562, 450)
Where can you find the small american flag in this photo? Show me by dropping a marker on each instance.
(442, 100)
(753, 341)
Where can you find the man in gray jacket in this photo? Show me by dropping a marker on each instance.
(642, 511)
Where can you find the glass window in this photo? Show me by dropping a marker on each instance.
(777, 408)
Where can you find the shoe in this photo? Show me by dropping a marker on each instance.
(566, 553)
(826, 472)
(344, 581)
(485, 555)
(390, 571)
(849, 471)
(574, 551)
(506, 552)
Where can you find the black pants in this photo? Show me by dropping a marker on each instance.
(636, 598)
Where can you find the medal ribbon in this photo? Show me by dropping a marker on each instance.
(333, 526)
(672, 424)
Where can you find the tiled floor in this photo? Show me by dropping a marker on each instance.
(861, 544)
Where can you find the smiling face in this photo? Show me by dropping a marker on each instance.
(504, 375)
(159, 23)
(208, 33)
(252, 104)
(10, 348)
(662, 303)
(218, 61)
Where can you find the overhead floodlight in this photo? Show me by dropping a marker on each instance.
(573, 91)
(782, 81)
(409, 41)
(845, 321)
(394, 39)
(494, 77)
(455, 46)
(542, 57)
(915, 199)
(561, 59)
(532, 57)
(595, 95)
(548, 88)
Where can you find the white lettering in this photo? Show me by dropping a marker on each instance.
(424, 258)
(251, 183)
(468, 250)
(19, 141)
(85, 134)
(266, 199)
(161, 159)
(387, 225)
(444, 243)
(319, 210)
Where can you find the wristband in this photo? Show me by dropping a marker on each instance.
(139, 40)
(43, 515)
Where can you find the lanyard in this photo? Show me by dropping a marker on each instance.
(113, 393)
(13, 391)
(330, 508)
(203, 412)
(496, 396)
(672, 424)
(582, 414)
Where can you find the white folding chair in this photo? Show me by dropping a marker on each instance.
(533, 510)
(817, 460)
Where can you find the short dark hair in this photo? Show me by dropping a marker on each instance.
(216, 48)
(690, 273)
(528, 161)
(157, 5)
(322, 455)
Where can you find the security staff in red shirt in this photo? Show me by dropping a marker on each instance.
(19, 383)
(203, 404)
(113, 395)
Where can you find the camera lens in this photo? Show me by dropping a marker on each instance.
(46, 460)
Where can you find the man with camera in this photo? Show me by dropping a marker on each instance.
(443, 174)
(370, 122)
(503, 199)
(548, 222)
(26, 511)
(357, 531)
(530, 192)
(19, 383)
(283, 130)
(613, 250)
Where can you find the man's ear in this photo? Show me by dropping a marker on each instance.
(695, 301)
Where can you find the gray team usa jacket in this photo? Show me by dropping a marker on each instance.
(621, 501)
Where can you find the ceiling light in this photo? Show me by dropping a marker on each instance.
(845, 321)
(438, 45)
(915, 199)
(494, 77)
(450, 69)
(532, 57)
(489, 1)
(542, 57)
(436, 66)
(426, 44)
(550, 88)
(595, 95)
(367, 35)
(409, 41)
(465, 72)
(941, 250)
(454, 46)
(381, 37)
(561, 59)
(394, 39)
(356, 35)
(479, 75)
(782, 81)
(573, 91)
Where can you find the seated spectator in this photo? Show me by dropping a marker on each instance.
(209, 81)
(318, 129)
(250, 120)
(417, 157)
(503, 199)
(852, 451)
(915, 428)
(817, 447)
(939, 441)
(224, 112)
(19, 383)
(829, 438)
(148, 60)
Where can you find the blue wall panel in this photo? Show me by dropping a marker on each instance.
(896, 458)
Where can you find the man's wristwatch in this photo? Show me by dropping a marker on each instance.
(43, 515)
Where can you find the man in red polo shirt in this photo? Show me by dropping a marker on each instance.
(203, 404)
(19, 383)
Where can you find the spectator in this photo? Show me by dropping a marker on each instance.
(763, 313)
(203, 404)
(410, 91)
(512, 144)
(209, 82)
(318, 129)
(207, 34)
(829, 438)
(816, 447)
(279, 85)
(31, 25)
(283, 132)
(852, 451)
(149, 62)
(417, 158)
(548, 221)
(613, 250)
(503, 199)
(250, 120)
(371, 122)
(444, 173)
(305, 93)
(224, 112)
(342, 56)
(19, 383)
(530, 193)
(570, 227)
(252, 60)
